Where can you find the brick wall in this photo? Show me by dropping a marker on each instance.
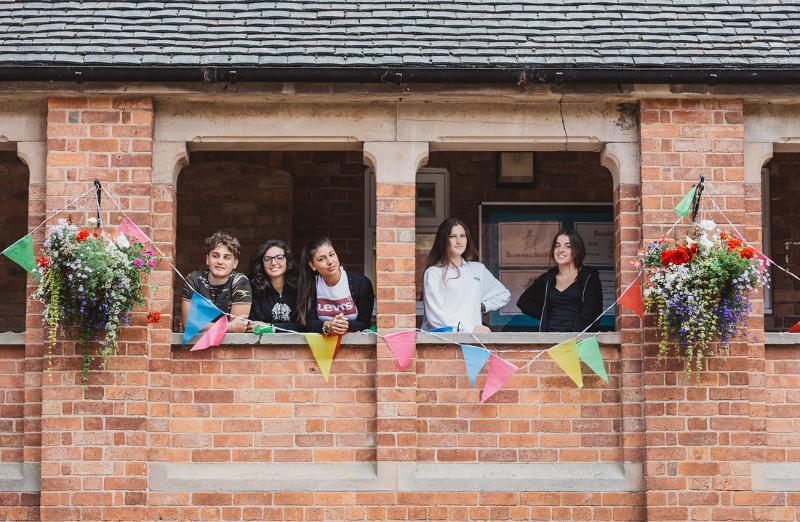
(13, 225)
(158, 404)
(700, 436)
(245, 404)
(294, 196)
(784, 193)
(94, 438)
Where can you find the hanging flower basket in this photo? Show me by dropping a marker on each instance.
(699, 288)
(90, 281)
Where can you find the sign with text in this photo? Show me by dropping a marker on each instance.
(599, 241)
(526, 243)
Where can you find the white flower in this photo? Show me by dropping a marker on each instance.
(122, 241)
(705, 242)
(92, 222)
(708, 226)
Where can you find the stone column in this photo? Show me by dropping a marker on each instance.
(395, 165)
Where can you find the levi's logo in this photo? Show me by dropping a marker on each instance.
(328, 306)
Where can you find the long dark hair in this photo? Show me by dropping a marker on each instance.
(258, 278)
(575, 244)
(307, 280)
(440, 251)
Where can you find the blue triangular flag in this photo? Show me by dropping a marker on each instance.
(201, 312)
(475, 358)
(443, 329)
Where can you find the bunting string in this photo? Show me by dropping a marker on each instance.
(567, 354)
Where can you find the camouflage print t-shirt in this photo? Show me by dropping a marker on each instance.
(236, 290)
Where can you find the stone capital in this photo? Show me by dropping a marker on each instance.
(395, 161)
(622, 160)
(169, 157)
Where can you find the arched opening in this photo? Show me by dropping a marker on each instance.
(14, 176)
(257, 195)
(513, 213)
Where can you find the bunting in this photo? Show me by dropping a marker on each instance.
(126, 226)
(632, 299)
(795, 328)
(213, 336)
(21, 252)
(500, 371)
(685, 204)
(566, 356)
(201, 312)
(401, 345)
(323, 347)
(589, 353)
(261, 329)
(475, 359)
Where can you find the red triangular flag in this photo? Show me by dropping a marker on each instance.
(499, 372)
(401, 345)
(632, 299)
(213, 336)
(795, 328)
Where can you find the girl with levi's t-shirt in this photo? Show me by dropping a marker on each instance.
(329, 299)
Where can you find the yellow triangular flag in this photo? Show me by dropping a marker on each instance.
(566, 355)
(323, 347)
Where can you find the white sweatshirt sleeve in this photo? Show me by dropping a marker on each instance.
(437, 314)
(493, 294)
(436, 311)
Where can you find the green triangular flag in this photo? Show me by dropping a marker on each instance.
(21, 252)
(374, 328)
(589, 353)
(685, 205)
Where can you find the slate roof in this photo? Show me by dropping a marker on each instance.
(407, 34)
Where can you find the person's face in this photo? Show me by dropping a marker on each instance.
(325, 261)
(457, 241)
(562, 253)
(274, 261)
(221, 262)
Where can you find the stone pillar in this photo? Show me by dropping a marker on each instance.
(395, 165)
(94, 453)
(699, 435)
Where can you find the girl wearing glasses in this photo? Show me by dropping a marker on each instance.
(273, 277)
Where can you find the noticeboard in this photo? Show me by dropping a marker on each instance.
(515, 242)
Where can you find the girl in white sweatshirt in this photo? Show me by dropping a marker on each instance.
(457, 288)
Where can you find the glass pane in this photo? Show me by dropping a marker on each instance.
(426, 200)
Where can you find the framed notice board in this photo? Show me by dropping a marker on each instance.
(515, 241)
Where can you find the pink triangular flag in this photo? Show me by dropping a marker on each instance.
(499, 372)
(213, 336)
(401, 345)
(632, 299)
(126, 226)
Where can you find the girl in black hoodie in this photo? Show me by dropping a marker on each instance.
(273, 277)
(569, 296)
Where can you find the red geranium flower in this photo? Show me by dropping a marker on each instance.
(693, 249)
(681, 255)
(666, 257)
(153, 317)
(747, 253)
(42, 261)
(734, 243)
(723, 235)
(81, 236)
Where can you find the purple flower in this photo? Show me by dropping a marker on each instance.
(138, 263)
(151, 262)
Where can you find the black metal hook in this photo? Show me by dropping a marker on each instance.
(99, 189)
(697, 194)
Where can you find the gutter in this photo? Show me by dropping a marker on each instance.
(399, 75)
